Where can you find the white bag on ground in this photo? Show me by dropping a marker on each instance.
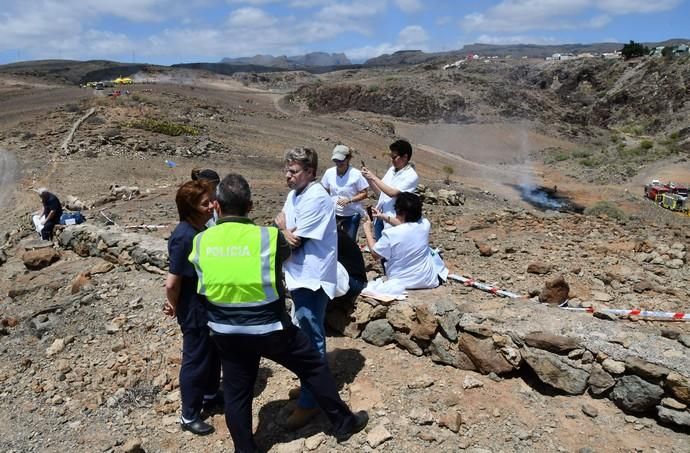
(38, 222)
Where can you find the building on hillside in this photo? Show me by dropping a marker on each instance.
(454, 64)
(676, 51)
(611, 55)
(681, 50)
(657, 51)
(561, 56)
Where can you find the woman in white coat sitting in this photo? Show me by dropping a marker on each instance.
(404, 248)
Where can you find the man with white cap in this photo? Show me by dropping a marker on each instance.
(347, 188)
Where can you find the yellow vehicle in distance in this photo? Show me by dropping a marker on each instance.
(123, 81)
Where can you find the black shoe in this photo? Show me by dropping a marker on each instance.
(361, 420)
(198, 427)
(214, 406)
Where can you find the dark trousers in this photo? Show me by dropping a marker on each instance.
(240, 355)
(47, 231)
(349, 224)
(199, 372)
(378, 229)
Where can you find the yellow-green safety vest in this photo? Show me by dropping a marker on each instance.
(236, 263)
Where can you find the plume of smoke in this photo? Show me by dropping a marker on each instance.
(530, 190)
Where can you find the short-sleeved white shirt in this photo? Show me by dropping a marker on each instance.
(314, 264)
(406, 250)
(346, 186)
(405, 180)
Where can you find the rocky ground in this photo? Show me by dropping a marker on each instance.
(89, 362)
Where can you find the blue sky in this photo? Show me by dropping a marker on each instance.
(175, 31)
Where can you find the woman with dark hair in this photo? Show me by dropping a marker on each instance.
(205, 174)
(200, 368)
(405, 246)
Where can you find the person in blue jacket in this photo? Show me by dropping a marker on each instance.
(200, 368)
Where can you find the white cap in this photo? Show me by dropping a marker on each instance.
(340, 152)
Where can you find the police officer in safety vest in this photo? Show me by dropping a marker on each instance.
(239, 269)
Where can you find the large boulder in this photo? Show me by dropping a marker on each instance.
(600, 381)
(555, 291)
(39, 258)
(679, 386)
(634, 394)
(378, 333)
(647, 370)
(680, 418)
(483, 354)
(551, 342)
(555, 371)
(443, 351)
(417, 319)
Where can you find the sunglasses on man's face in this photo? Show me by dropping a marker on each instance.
(338, 161)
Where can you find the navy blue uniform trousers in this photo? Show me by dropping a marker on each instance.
(199, 372)
(291, 348)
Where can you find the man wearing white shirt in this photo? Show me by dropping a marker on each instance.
(308, 223)
(348, 188)
(401, 177)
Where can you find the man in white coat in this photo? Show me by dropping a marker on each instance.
(308, 223)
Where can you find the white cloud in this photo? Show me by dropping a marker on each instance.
(444, 20)
(409, 6)
(411, 37)
(523, 15)
(250, 18)
(515, 39)
(512, 16)
(636, 6)
(599, 21)
(308, 3)
(252, 2)
(357, 9)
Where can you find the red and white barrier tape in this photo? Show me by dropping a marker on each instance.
(484, 287)
(654, 315)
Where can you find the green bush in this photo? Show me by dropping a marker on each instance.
(136, 97)
(590, 162)
(638, 130)
(164, 127)
(634, 49)
(581, 154)
(607, 208)
(630, 153)
(560, 157)
(646, 144)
